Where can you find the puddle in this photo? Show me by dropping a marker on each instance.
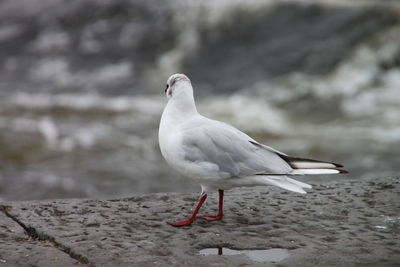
(259, 255)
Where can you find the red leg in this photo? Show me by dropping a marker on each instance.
(191, 219)
(220, 214)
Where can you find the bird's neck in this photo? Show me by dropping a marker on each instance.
(180, 108)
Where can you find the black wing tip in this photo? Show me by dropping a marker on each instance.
(337, 165)
(290, 159)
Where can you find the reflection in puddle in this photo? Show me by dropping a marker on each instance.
(259, 255)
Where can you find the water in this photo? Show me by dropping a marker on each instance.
(258, 255)
(79, 114)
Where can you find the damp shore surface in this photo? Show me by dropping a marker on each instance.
(347, 223)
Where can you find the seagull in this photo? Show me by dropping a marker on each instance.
(219, 156)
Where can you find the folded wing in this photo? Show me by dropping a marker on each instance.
(231, 151)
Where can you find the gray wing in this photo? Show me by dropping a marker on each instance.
(233, 152)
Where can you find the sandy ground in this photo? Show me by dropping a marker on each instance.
(353, 223)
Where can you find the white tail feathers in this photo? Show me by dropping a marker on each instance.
(283, 182)
(301, 184)
(300, 166)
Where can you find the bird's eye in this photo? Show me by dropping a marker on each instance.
(166, 88)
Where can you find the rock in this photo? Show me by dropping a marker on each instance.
(316, 228)
(17, 248)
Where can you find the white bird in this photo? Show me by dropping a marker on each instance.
(219, 156)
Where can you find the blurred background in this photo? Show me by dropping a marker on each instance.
(82, 87)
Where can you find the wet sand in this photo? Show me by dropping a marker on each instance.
(353, 223)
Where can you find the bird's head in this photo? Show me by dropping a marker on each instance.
(178, 84)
